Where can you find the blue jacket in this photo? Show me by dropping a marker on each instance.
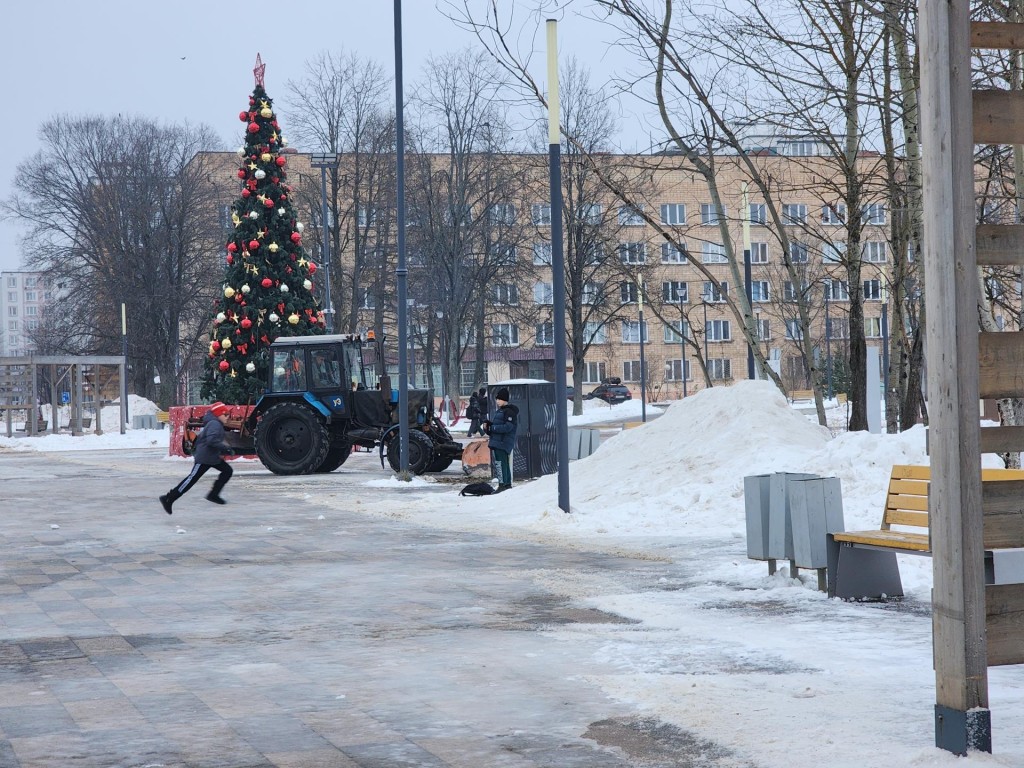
(211, 443)
(504, 425)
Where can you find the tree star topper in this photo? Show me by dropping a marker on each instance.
(258, 70)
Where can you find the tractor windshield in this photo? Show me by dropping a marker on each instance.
(289, 368)
(353, 352)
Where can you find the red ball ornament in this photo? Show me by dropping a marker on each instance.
(296, 238)
(254, 244)
(246, 192)
(224, 365)
(274, 179)
(246, 323)
(312, 268)
(266, 282)
(232, 247)
(254, 128)
(280, 161)
(241, 173)
(243, 116)
(215, 345)
(282, 198)
(231, 259)
(252, 102)
(268, 203)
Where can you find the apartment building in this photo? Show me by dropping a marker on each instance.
(23, 302)
(680, 285)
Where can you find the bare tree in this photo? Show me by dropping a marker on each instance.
(124, 211)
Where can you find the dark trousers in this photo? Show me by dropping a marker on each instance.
(474, 427)
(198, 470)
(501, 460)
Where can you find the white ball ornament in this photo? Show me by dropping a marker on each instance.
(281, 211)
(240, 151)
(284, 142)
(246, 288)
(274, 318)
(284, 288)
(299, 226)
(307, 284)
(221, 317)
(260, 174)
(250, 367)
(253, 215)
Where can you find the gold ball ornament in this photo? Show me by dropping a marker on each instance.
(226, 344)
(273, 247)
(266, 113)
(229, 292)
(266, 157)
(293, 318)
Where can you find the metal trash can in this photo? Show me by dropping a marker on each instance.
(536, 451)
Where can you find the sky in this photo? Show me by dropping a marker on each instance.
(193, 61)
(765, 666)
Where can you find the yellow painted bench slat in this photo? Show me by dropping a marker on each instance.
(917, 542)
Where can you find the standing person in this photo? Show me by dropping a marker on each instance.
(476, 411)
(502, 431)
(208, 454)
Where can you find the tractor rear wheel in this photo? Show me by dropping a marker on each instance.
(336, 455)
(291, 439)
(421, 452)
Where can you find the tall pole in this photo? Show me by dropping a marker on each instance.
(643, 367)
(885, 350)
(401, 272)
(124, 371)
(557, 263)
(747, 275)
(682, 360)
(828, 339)
(328, 303)
(704, 304)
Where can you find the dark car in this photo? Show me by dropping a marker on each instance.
(611, 392)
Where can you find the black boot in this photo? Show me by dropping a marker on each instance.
(215, 498)
(502, 487)
(168, 499)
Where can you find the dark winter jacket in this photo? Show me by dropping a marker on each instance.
(211, 443)
(502, 431)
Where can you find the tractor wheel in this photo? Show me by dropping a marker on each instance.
(440, 463)
(336, 455)
(421, 452)
(291, 439)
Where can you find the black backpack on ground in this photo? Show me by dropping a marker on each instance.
(477, 489)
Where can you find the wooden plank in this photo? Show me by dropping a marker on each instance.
(911, 472)
(917, 542)
(1000, 244)
(1004, 623)
(997, 34)
(998, 117)
(902, 517)
(993, 473)
(1002, 439)
(1002, 504)
(1000, 365)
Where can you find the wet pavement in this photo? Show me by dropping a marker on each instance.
(282, 631)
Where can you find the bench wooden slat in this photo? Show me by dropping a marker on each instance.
(917, 542)
(904, 517)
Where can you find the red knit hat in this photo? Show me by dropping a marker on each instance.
(218, 408)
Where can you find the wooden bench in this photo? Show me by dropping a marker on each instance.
(862, 564)
(800, 394)
(86, 423)
(163, 417)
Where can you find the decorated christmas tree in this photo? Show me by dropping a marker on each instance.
(268, 281)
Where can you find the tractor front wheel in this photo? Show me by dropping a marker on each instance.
(421, 452)
(291, 439)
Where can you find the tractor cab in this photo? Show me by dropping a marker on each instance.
(327, 369)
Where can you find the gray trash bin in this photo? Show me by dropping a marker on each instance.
(536, 451)
(816, 509)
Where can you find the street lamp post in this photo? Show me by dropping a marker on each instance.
(441, 349)
(828, 339)
(885, 348)
(323, 161)
(643, 367)
(747, 274)
(704, 305)
(682, 349)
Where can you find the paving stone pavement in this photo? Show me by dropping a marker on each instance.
(275, 631)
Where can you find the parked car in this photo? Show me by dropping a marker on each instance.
(611, 391)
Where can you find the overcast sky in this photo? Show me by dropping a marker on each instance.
(192, 61)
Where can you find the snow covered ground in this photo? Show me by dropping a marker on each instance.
(767, 666)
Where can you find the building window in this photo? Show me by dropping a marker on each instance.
(631, 332)
(872, 327)
(834, 252)
(12, 296)
(872, 290)
(718, 330)
(502, 213)
(631, 370)
(793, 330)
(674, 292)
(710, 215)
(798, 252)
(12, 325)
(758, 213)
(595, 333)
(543, 293)
(794, 213)
(759, 253)
(503, 253)
(504, 294)
(594, 373)
(712, 253)
(837, 290)
(369, 299)
(591, 294)
(12, 311)
(366, 216)
(800, 148)
(504, 335)
(719, 369)
(834, 214)
(225, 217)
(759, 290)
(789, 292)
(873, 251)
(31, 325)
(12, 282)
(540, 214)
(836, 329)
(633, 253)
(714, 293)
(874, 214)
(545, 334)
(673, 214)
(593, 253)
(31, 296)
(590, 213)
(630, 216)
(674, 369)
(672, 254)
(542, 254)
(676, 331)
(629, 293)
(763, 331)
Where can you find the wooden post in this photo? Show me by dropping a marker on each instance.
(962, 718)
